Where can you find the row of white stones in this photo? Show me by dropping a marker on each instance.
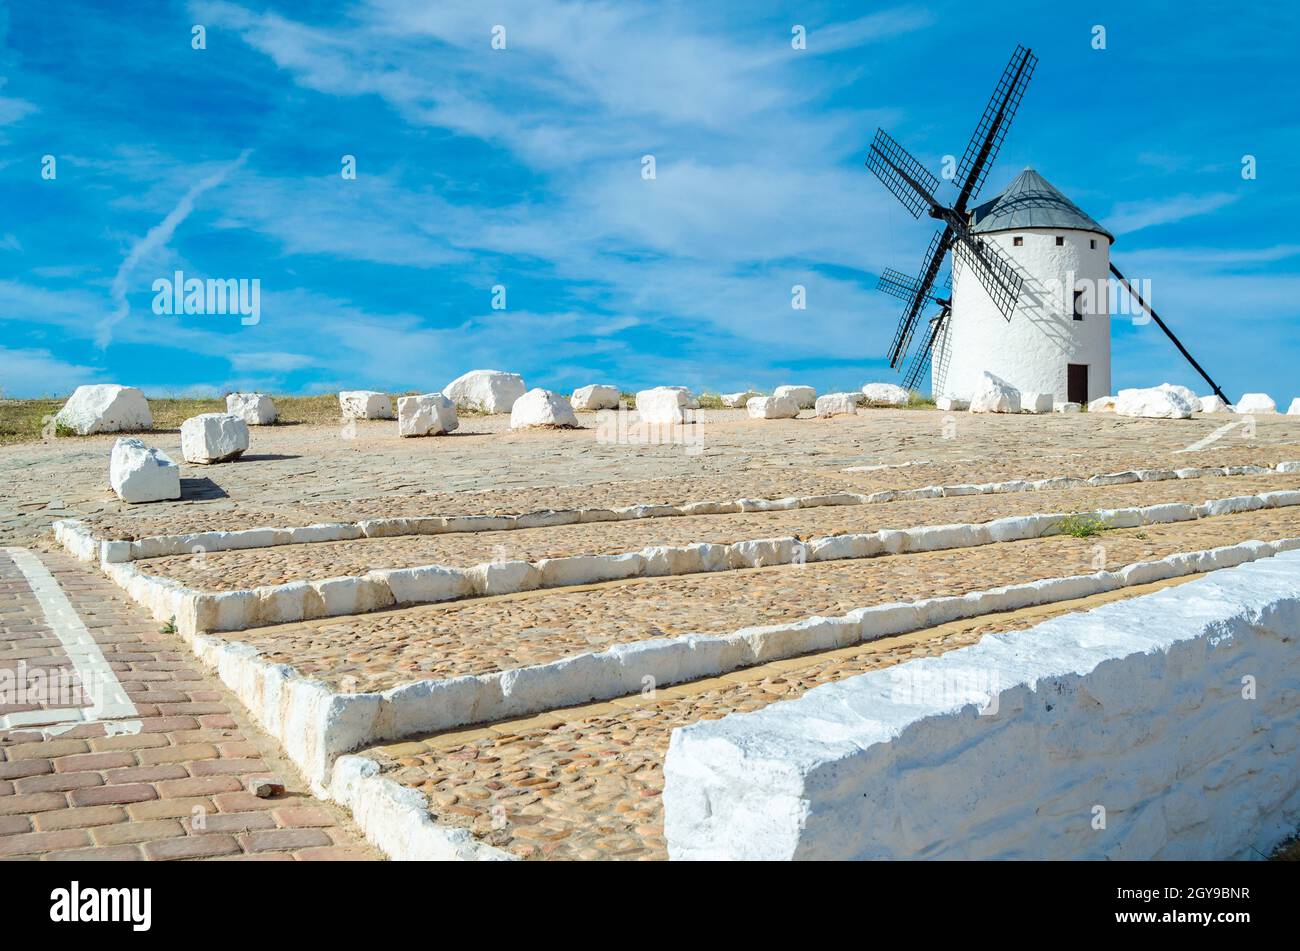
(194, 610)
(317, 725)
(169, 545)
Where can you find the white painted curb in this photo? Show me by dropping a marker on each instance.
(238, 610)
(170, 545)
(397, 819)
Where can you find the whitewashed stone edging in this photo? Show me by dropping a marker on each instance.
(397, 820)
(160, 546)
(316, 725)
(196, 611)
(1137, 705)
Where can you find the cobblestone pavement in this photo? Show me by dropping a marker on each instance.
(168, 777)
(301, 474)
(230, 570)
(387, 648)
(586, 782)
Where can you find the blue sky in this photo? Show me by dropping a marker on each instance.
(522, 167)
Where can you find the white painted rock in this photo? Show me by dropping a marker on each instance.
(662, 405)
(951, 404)
(995, 395)
(885, 394)
(486, 391)
(1102, 404)
(213, 437)
(1036, 402)
(1189, 395)
(140, 473)
(539, 407)
(737, 400)
(105, 408)
(429, 414)
(596, 396)
(365, 404)
(1294, 409)
(256, 409)
(1154, 403)
(838, 404)
(1214, 404)
(772, 407)
(805, 397)
(1256, 403)
(1067, 408)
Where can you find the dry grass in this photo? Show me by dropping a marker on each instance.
(24, 420)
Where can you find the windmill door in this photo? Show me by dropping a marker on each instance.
(1077, 382)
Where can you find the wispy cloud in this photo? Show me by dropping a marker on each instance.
(1127, 217)
(155, 239)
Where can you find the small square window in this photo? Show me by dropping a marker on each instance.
(1060, 240)
(1092, 243)
(1078, 305)
(1018, 241)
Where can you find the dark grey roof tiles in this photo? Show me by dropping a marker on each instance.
(1031, 201)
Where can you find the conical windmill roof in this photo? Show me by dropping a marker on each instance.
(1031, 201)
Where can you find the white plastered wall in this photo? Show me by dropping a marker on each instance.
(1034, 348)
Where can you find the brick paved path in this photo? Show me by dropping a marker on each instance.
(165, 774)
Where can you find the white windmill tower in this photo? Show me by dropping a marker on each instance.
(1058, 338)
(1030, 274)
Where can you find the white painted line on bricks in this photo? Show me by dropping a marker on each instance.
(1214, 436)
(110, 705)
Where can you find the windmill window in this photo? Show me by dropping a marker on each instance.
(1060, 240)
(1018, 241)
(1078, 305)
(1092, 243)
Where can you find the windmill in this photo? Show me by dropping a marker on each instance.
(915, 186)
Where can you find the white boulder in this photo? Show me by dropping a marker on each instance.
(1294, 409)
(691, 401)
(1036, 402)
(1154, 403)
(213, 437)
(1214, 404)
(596, 396)
(1189, 395)
(539, 407)
(1067, 408)
(365, 404)
(951, 404)
(140, 473)
(772, 407)
(995, 395)
(805, 397)
(838, 404)
(1256, 403)
(105, 408)
(885, 394)
(737, 400)
(485, 391)
(429, 414)
(256, 409)
(1102, 404)
(662, 405)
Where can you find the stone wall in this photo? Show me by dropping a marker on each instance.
(1163, 727)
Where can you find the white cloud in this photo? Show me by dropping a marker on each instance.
(34, 372)
(1127, 217)
(155, 240)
